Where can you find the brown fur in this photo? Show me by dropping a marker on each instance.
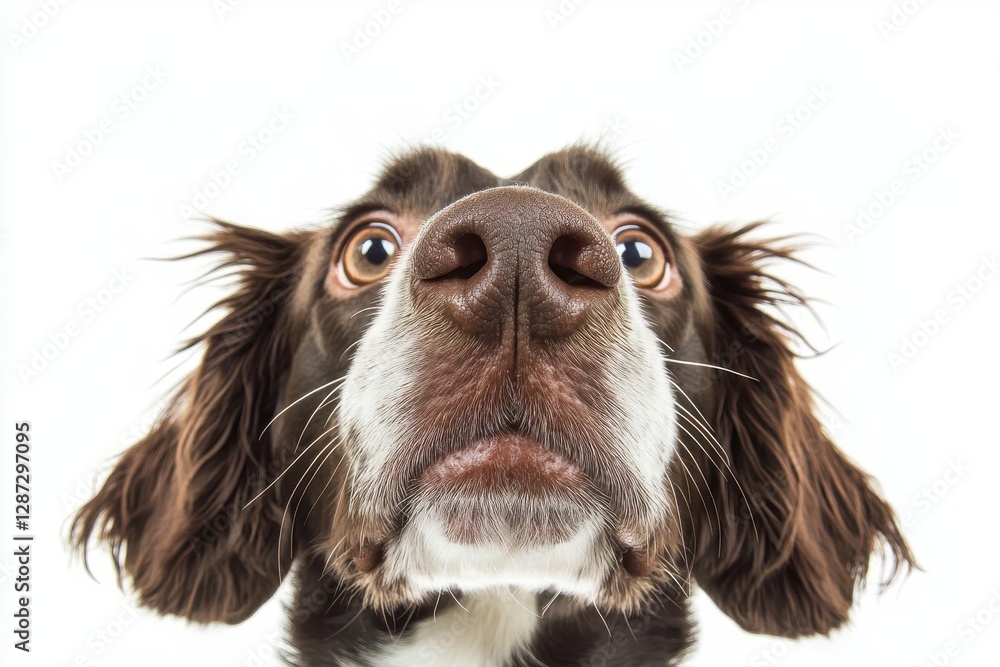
(772, 520)
(173, 504)
(799, 524)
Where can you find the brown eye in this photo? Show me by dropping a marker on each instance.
(368, 253)
(643, 255)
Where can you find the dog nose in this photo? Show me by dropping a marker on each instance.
(515, 259)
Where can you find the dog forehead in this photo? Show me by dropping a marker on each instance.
(573, 165)
(426, 180)
(586, 175)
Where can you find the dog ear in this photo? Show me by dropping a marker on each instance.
(172, 510)
(782, 525)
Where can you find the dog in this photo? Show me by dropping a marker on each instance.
(496, 422)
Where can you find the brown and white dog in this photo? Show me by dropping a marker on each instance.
(496, 422)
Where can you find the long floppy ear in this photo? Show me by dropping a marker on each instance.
(171, 511)
(785, 525)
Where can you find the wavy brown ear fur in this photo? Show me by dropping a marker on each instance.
(171, 510)
(796, 522)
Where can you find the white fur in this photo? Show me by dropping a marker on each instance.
(642, 426)
(378, 378)
(646, 424)
(484, 631)
(426, 558)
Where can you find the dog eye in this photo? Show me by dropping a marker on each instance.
(368, 253)
(643, 255)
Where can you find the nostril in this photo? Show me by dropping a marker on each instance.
(567, 262)
(469, 258)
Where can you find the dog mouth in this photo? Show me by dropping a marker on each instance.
(508, 488)
(505, 490)
(502, 495)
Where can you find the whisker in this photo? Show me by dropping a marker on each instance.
(309, 421)
(409, 617)
(356, 617)
(519, 603)
(703, 420)
(699, 426)
(326, 457)
(715, 503)
(606, 626)
(718, 368)
(333, 412)
(282, 473)
(725, 459)
(325, 487)
(680, 523)
(687, 471)
(452, 593)
(629, 626)
(697, 441)
(549, 603)
(281, 525)
(329, 557)
(304, 396)
(348, 348)
(364, 310)
(712, 439)
(284, 513)
(669, 570)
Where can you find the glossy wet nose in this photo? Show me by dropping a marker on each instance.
(515, 258)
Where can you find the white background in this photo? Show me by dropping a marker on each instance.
(609, 69)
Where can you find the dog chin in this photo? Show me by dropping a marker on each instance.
(503, 511)
(433, 552)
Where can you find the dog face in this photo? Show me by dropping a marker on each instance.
(526, 419)
(470, 382)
